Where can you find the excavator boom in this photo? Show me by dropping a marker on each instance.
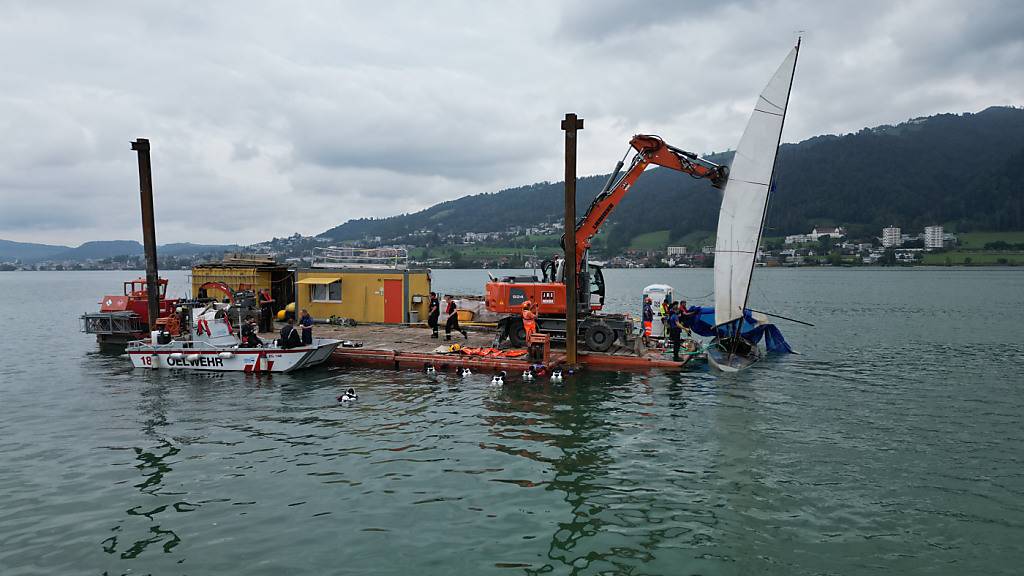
(649, 150)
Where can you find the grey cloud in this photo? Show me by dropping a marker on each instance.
(270, 119)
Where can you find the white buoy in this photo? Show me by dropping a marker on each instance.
(349, 396)
(498, 379)
(556, 376)
(466, 372)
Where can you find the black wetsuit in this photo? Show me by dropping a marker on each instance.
(249, 337)
(453, 321)
(433, 315)
(290, 337)
(675, 333)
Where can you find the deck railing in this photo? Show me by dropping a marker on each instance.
(342, 257)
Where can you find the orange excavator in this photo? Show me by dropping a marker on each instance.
(599, 331)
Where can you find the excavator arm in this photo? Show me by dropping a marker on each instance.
(649, 150)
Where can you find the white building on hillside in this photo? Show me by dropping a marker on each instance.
(891, 237)
(471, 237)
(830, 231)
(933, 237)
(677, 250)
(816, 233)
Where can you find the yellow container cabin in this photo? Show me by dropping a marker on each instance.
(371, 285)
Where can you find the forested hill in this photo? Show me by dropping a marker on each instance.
(965, 171)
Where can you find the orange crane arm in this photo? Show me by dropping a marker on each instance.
(649, 150)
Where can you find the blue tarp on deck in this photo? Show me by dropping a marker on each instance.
(704, 324)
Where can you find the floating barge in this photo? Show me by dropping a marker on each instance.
(410, 347)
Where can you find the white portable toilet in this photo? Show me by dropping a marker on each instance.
(658, 293)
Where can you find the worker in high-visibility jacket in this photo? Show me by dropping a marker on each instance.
(529, 319)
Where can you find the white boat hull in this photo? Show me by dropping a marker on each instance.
(730, 362)
(181, 355)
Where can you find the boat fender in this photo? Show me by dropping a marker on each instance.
(177, 355)
(192, 357)
(226, 354)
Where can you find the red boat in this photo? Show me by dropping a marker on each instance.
(125, 317)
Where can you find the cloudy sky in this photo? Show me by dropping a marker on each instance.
(273, 118)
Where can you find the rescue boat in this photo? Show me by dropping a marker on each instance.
(212, 344)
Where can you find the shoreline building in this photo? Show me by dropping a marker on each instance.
(835, 232)
(891, 237)
(934, 236)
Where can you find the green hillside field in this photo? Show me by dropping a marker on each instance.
(971, 251)
(977, 240)
(656, 240)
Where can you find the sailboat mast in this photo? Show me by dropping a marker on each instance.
(771, 182)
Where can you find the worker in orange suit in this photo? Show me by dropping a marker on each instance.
(529, 319)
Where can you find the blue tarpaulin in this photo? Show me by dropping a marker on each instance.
(703, 323)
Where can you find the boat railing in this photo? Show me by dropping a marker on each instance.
(111, 323)
(344, 257)
(197, 345)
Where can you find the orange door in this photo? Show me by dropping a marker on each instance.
(393, 301)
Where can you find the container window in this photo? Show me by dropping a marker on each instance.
(326, 292)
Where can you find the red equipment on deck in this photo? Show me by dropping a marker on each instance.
(125, 317)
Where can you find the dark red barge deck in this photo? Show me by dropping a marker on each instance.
(403, 347)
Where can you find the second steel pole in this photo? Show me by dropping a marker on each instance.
(148, 230)
(570, 125)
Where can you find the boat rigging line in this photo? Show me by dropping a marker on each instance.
(782, 317)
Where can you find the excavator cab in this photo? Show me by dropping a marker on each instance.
(595, 286)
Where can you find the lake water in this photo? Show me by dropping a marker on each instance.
(892, 445)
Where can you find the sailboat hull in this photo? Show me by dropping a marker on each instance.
(724, 358)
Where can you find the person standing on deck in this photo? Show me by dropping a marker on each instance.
(648, 320)
(686, 317)
(452, 323)
(306, 321)
(433, 314)
(529, 320)
(675, 330)
(665, 305)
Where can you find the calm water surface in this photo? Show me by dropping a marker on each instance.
(892, 444)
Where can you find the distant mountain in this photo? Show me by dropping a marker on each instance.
(961, 170)
(99, 249)
(26, 251)
(189, 249)
(29, 253)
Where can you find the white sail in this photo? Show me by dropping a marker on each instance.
(746, 195)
